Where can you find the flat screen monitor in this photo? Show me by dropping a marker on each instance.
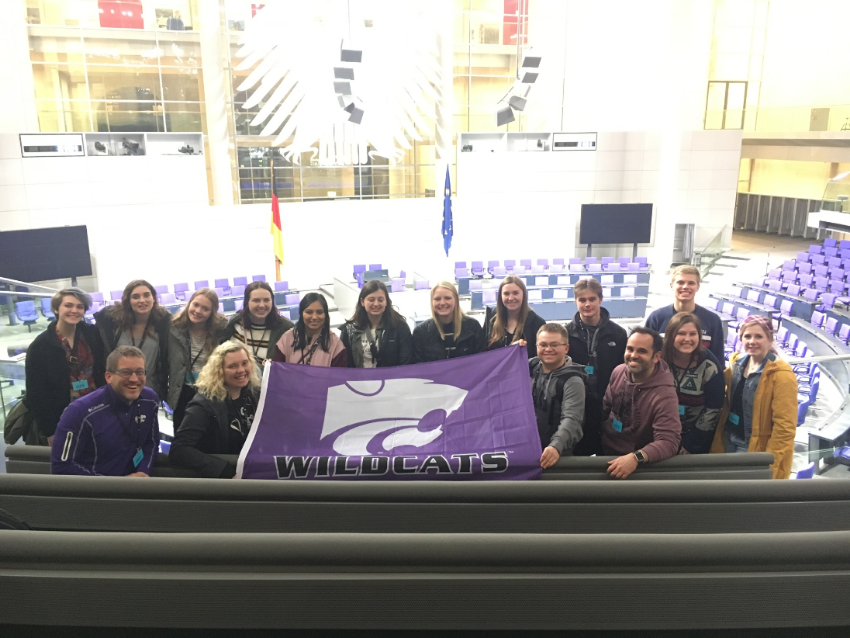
(44, 254)
(380, 275)
(616, 224)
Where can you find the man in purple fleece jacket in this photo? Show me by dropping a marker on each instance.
(114, 430)
(643, 423)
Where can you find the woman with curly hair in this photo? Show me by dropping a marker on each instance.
(141, 322)
(195, 332)
(220, 415)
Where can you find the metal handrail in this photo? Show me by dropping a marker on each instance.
(15, 282)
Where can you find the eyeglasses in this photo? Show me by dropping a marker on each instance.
(549, 346)
(126, 373)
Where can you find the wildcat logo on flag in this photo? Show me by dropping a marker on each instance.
(469, 418)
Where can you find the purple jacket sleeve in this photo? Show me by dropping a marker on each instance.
(150, 448)
(666, 426)
(72, 451)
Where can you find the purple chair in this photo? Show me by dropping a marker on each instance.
(239, 303)
(830, 252)
(633, 266)
(742, 314)
(492, 264)
(614, 267)
(240, 281)
(478, 268)
(398, 284)
(475, 284)
(834, 262)
(642, 261)
(788, 264)
(222, 283)
(830, 325)
(804, 267)
(575, 260)
(559, 261)
(461, 273)
(115, 295)
(292, 299)
(803, 256)
(220, 292)
(811, 294)
(794, 289)
(623, 260)
(785, 308)
(821, 270)
(576, 268)
(627, 292)
(458, 264)
(844, 254)
(827, 301)
(359, 278)
(543, 262)
(525, 262)
(594, 267)
(258, 278)
(488, 297)
(837, 286)
(837, 273)
(556, 268)
(774, 285)
(818, 259)
(202, 283)
(500, 271)
(728, 309)
(422, 284)
(844, 245)
(402, 274)
(815, 249)
(789, 276)
(605, 260)
(161, 289)
(770, 300)
(590, 260)
(829, 242)
(376, 267)
(280, 286)
(806, 280)
(742, 293)
(167, 299)
(776, 273)
(237, 291)
(821, 283)
(359, 269)
(180, 290)
(510, 264)
(97, 297)
(844, 333)
(753, 295)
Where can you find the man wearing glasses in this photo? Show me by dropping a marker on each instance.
(112, 431)
(558, 391)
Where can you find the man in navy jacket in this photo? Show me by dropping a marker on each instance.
(112, 431)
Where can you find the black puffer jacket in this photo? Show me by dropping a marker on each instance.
(108, 332)
(395, 345)
(533, 323)
(204, 431)
(428, 346)
(48, 381)
(610, 349)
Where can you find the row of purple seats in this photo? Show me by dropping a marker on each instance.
(608, 267)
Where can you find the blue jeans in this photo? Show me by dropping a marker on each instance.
(733, 443)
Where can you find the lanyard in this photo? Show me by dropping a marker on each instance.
(591, 343)
(144, 335)
(676, 377)
(255, 348)
(307, 357)
(200, 350)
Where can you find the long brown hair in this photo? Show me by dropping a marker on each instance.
(214, 323)
(273, 319)
(500, 319)
(360, 318)
(675, 324)
(123, 313)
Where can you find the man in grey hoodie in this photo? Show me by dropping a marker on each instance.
(558, 391)
(643, 424)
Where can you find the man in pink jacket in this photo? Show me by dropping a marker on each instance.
(643, 423)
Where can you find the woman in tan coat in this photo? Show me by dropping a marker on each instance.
(760, 412)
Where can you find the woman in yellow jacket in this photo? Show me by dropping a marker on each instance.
(760, 412)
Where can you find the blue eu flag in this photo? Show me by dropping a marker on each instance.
(448, 231)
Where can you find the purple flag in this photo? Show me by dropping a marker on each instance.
(469, 418)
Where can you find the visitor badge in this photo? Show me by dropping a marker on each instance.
(618, 425)
(681, 409)
(191, 378)
(588, 369)
(734, 419)
(80, 385)
(138, 457)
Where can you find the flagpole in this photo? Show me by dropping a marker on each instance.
(276, 260)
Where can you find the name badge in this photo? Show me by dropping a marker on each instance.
(191, 378)
(617, 425)
(734, 419)
(588, 369)
(138, 457)
(80, 385)
(681, 409)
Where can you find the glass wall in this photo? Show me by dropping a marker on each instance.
(137, 70)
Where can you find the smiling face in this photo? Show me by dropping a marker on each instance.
(260, 305)
(126, 380)
(141, 300)
(687, 339)
(443, 303)
(640, 359)
(237, 370)
(552, 349)
(589, 304)
(71, 310)
(200, 309)
(685, 287)
(754, 341)
(512, 297)
(374, 303)
(314, 317)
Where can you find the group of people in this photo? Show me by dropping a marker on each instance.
(642, 397)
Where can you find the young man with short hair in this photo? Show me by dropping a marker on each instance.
(112, 431)
(598, 344)
(685, 281)
(643, 423)
(558, 392)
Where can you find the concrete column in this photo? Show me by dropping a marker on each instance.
(220, 134)
(17, 94)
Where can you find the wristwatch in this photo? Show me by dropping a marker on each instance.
(641, 457)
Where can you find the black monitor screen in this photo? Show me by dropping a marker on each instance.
(616, 224)
(43, 254)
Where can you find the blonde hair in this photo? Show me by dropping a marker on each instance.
(211, 379)
(686, 270)
(458, 318)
